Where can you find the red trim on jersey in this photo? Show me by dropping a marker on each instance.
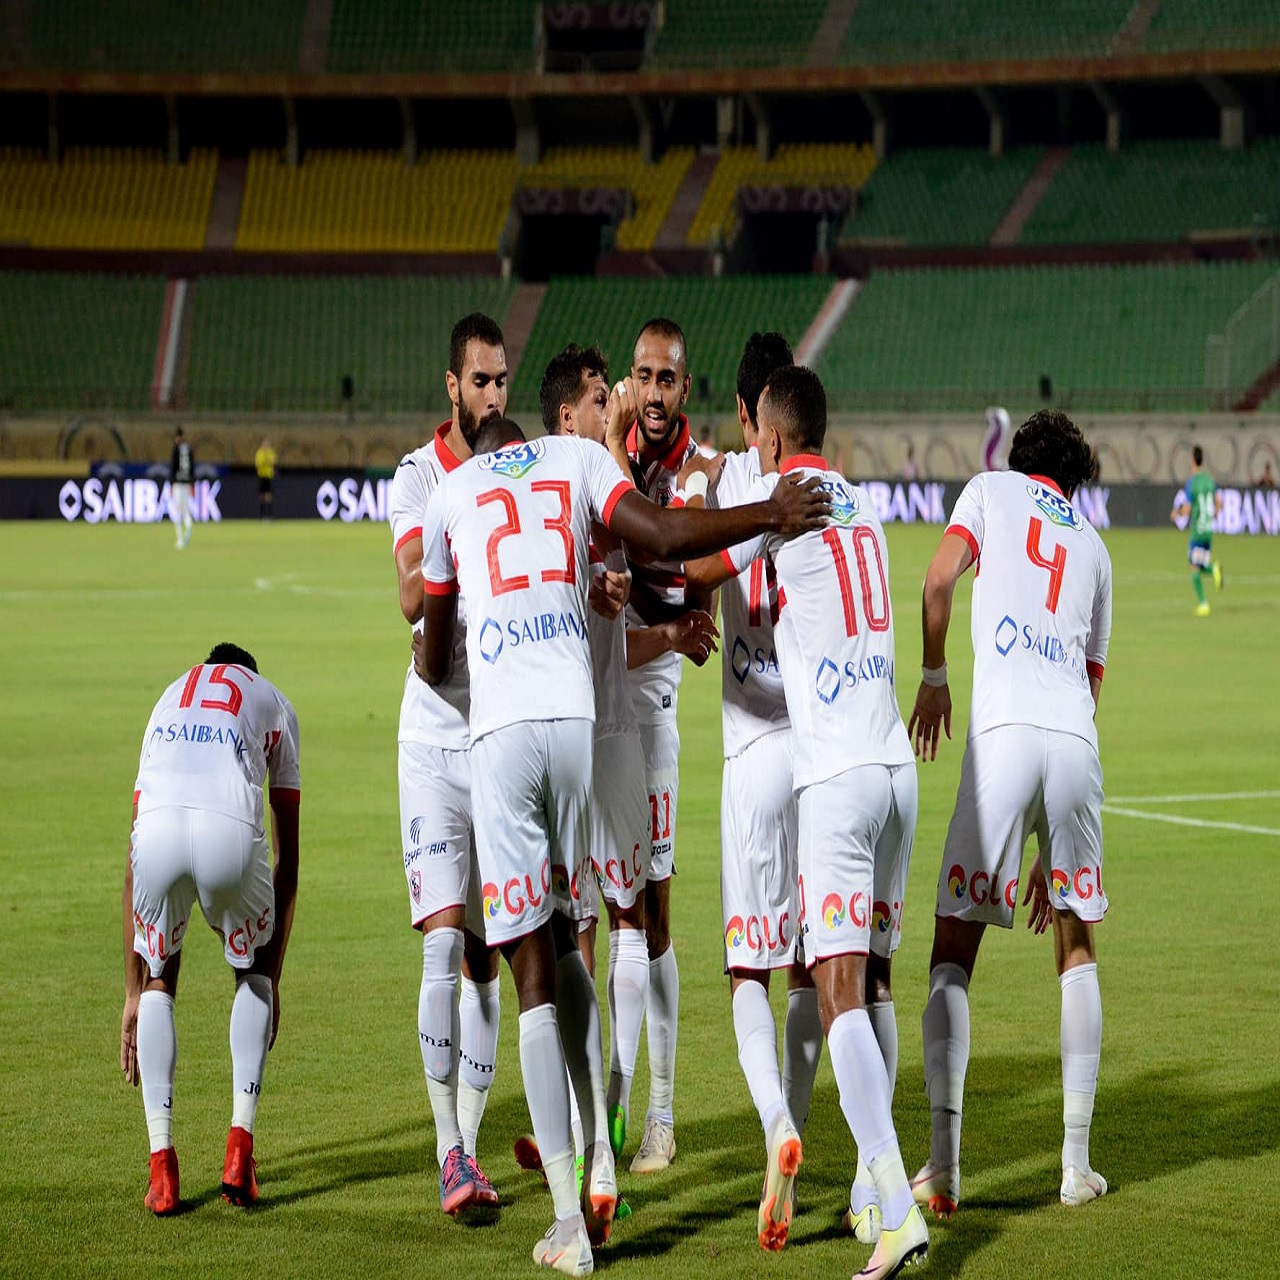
(728, 563)
(676, 502)
(961, 532)
(814, 460)
(673, 459)
(408, 536)
(1052, 484)
(439, 588)
(285, 795)
(782, 601)
(657, 577)
(623, 486)
(593, 556)
(1095, 669)
(447, 458)
(137, 795)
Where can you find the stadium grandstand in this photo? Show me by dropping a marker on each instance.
(946, 204)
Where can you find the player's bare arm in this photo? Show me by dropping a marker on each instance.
(1037, 898)
(931, 715)
(134, 976)
(794, 507)
(694, 634)
(284, 879)
(439, 623)
(609, 593)
(409, 572)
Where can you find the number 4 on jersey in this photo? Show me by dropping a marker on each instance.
(1056, 567)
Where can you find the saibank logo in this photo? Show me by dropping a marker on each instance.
(881, 917)
(844, 502)
(1056, 507)
(833, 911)
(491, 900)
(1061, 885)
(956, 882)
(733, 932)
(515, 460)
(490, 640)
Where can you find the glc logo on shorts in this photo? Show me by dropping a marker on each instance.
(758, 933)
(514, 461)
(517, 894)
(981, 889)
(1056, 507)
(833, 911)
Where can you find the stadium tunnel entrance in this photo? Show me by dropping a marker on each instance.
(789, 229)
(565, 232)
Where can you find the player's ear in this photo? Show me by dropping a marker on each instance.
(568, 426)
(684, 390)
(451, 386)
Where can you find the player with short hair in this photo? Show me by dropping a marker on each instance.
(457, 1030)
(1198, 504)
(199, 835)
(509, 531)
(1041, 624)
(182, 475)
(758, 837)
(855, 784)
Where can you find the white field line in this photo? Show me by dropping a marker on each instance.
(1178, 821)
(1205, 798)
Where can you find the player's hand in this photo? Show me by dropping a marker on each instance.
(693, 635)
(129, 1040)
(800, 505)
(420, 654)
(275, 1012)
(930, 715)
(1037, 897)
(621, 411)
(710, 467)
(609, 593)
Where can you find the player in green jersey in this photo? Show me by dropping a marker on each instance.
(1198, 502)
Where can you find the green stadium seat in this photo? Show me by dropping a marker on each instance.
(1223, 24)
(716, 33)
(406, 35)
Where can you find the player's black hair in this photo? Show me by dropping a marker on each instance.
(664, 328)
(763, 353)
(797, 398)
(477, 327)
(563, 380)
(1197, 455)
(177, 433)
(493, 435)
(232, 654)
(1050, 444)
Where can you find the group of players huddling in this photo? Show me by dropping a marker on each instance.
(554, 585)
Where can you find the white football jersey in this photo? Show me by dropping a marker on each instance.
(436, 716)
(608, 639)
(834, 632)
(211, 740)
(752, 698)
(510, 531)
(1041, 604)
(655, 686)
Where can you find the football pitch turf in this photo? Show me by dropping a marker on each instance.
(98, 620)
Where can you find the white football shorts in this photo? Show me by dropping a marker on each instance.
(1014, 780)
(531, 799)
(620, 819)
(759, 892)
(181, 856)
(661, 744)
(435, 833)
(856, 831)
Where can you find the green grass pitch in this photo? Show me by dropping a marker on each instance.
(97, 620)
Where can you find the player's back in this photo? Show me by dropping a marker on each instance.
(1041, 616)
(1201, 489)
(752, 696)
(835, 636)
(516, 525)
(211, 739)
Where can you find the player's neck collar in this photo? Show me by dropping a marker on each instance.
(673, 459)
(448, 459)
(1052, 484)
(815, 461)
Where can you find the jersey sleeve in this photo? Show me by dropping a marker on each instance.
(1095, 653)
(968, 516)
(283, 763)
(439, 575)
(605, 482)
(407, 502)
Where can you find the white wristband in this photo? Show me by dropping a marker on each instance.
(935, 677)
(696, 485)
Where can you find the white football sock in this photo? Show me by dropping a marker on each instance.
(945, 1024)
(864, 1098)
(546, 1090)
(664, 1008)
(578, 1016)
(758, 1051)
(801, 1049)
(250, 1039)
(628, 993)
(885, 1026)
(477, 1055)
(1081, 1039)
(157, 1060)
(438, 1031)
